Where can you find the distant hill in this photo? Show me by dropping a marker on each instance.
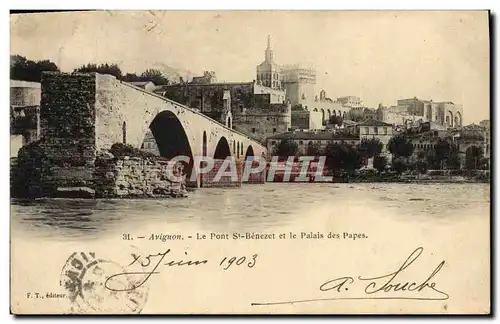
(174, 74)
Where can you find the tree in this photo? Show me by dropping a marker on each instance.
(484, 162)
(313, 149)
(430, 158)
(399, 165)
(155, 76)
(286, 148)
(443, 156)
(28, 70)
(442, 150)
(336, 120)
(342, 156)
(333, 156)
(351, 159)
(400, 146)
(132, 77)
(379, 162)
(473, 158)
(453, 162)
(369, 147)
(111, 69)
(421, 166)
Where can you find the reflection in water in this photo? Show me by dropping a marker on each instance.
(253, 207)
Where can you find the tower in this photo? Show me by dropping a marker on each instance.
(268, 72)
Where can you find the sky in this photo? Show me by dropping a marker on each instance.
(380, 56)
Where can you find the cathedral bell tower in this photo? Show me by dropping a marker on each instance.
(268, 72)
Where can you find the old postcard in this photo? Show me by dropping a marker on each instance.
(250, 162)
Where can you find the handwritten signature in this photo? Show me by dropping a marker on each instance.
(387, 286)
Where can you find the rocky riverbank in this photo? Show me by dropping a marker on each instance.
(115, 173)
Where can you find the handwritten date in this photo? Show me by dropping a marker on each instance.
(152, 263)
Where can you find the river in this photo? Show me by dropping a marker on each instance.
(252, 207)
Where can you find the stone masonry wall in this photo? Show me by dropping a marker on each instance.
(133, 177)
(67, 118)
(265, 122)
(208, 97)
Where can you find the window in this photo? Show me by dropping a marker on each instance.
(253, 129)
(274, 130)
(273, 142)
(367, 130)
(241, 108)
(384, 130)
(375, 130)
(301, 142)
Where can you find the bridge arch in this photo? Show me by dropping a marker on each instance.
(170, 136)
(222, 149)
(249, 152)
(204, 145)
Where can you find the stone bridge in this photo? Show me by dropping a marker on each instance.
(82, 114)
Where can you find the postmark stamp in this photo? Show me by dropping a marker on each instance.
(84, 277)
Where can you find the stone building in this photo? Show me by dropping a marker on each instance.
(461, 141)
(350, 101)
(305, 119)
(327, 108)
(487, 137)
(207, 78)
(24, 93)
(444, 113)
(306, 138)
(252, 108)
(392, 115)
(299, 81)
(24, 114)
(371, 128)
